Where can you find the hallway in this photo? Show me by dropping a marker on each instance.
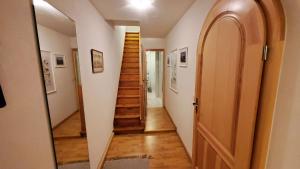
(224, 94)
(160, 143)
(69, 145)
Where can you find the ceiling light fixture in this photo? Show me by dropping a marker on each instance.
(141, 4)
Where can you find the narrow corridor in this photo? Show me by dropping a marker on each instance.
(160, 143)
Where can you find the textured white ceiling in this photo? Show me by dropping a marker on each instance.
(154, 22)
(50, 17)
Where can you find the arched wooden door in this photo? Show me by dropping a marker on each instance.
(229, 69)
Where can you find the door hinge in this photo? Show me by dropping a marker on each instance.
(266, 53)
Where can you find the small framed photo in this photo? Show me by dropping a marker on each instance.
(169, 60)
(183, 57)
(60, 60)
(97, 61)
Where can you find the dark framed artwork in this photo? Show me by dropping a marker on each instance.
(97, 61)
(60, 60)
(183, 57)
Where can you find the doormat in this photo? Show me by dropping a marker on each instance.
(131, 162)
(79, 165)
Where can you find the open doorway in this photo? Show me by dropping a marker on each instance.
(155, 78)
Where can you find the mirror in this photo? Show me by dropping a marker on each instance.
(61, 74)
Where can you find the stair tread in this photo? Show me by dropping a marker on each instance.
(127, 105)
(129, 87)
(129, 80)
(128, 96)
(129, 73)
(127, 116)
(131, 128)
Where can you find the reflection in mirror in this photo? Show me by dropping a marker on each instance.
(61, 73)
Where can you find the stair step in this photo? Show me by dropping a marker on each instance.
(134, 33)
(131, 46)
(128, 83)
(128, 96)
(131, 65)
(129, 130)
(136, 50)
(127, 105)
(129, 80)
(132, 38)
(127, 116)
(129, 88)
(131, 60)
(128, 74)
(132, 43)
(130, 70)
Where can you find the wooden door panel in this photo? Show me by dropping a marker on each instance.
(229, 68)
(221, 80)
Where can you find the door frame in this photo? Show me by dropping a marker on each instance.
(275, 23)
(276, 28)
(81, 107)
(164, 70)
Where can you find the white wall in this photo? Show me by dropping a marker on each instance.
(133, 29)
(285, 139)
(73, 41)
(63, 102)
(153, 43)
(25, 137)
(99, 90)
(185, 34)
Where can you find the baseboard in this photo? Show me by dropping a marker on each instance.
(101, 163)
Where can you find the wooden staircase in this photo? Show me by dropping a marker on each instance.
(129, 113)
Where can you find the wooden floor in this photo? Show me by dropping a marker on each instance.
(69, 146)
(71, 150)
(158, 120)
(166, 149)
(69, 128)
(163, 145)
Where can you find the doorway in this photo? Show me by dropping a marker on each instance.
(154, 59)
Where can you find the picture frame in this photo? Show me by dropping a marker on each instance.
(169, 60)
(60, 60)
(183, 57)
(173, 79)
(97, 61)
(48, 73)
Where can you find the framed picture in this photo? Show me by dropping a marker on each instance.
(173, 71)
(97, 61)
(60, 60)
(168, 60)
(48, 73)
(183, 57)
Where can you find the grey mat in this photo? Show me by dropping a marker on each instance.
(127, 163)
(79, 165)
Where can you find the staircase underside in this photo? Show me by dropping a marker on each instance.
(127, 118)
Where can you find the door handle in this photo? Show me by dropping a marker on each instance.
(196, 104)
(2, 99)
